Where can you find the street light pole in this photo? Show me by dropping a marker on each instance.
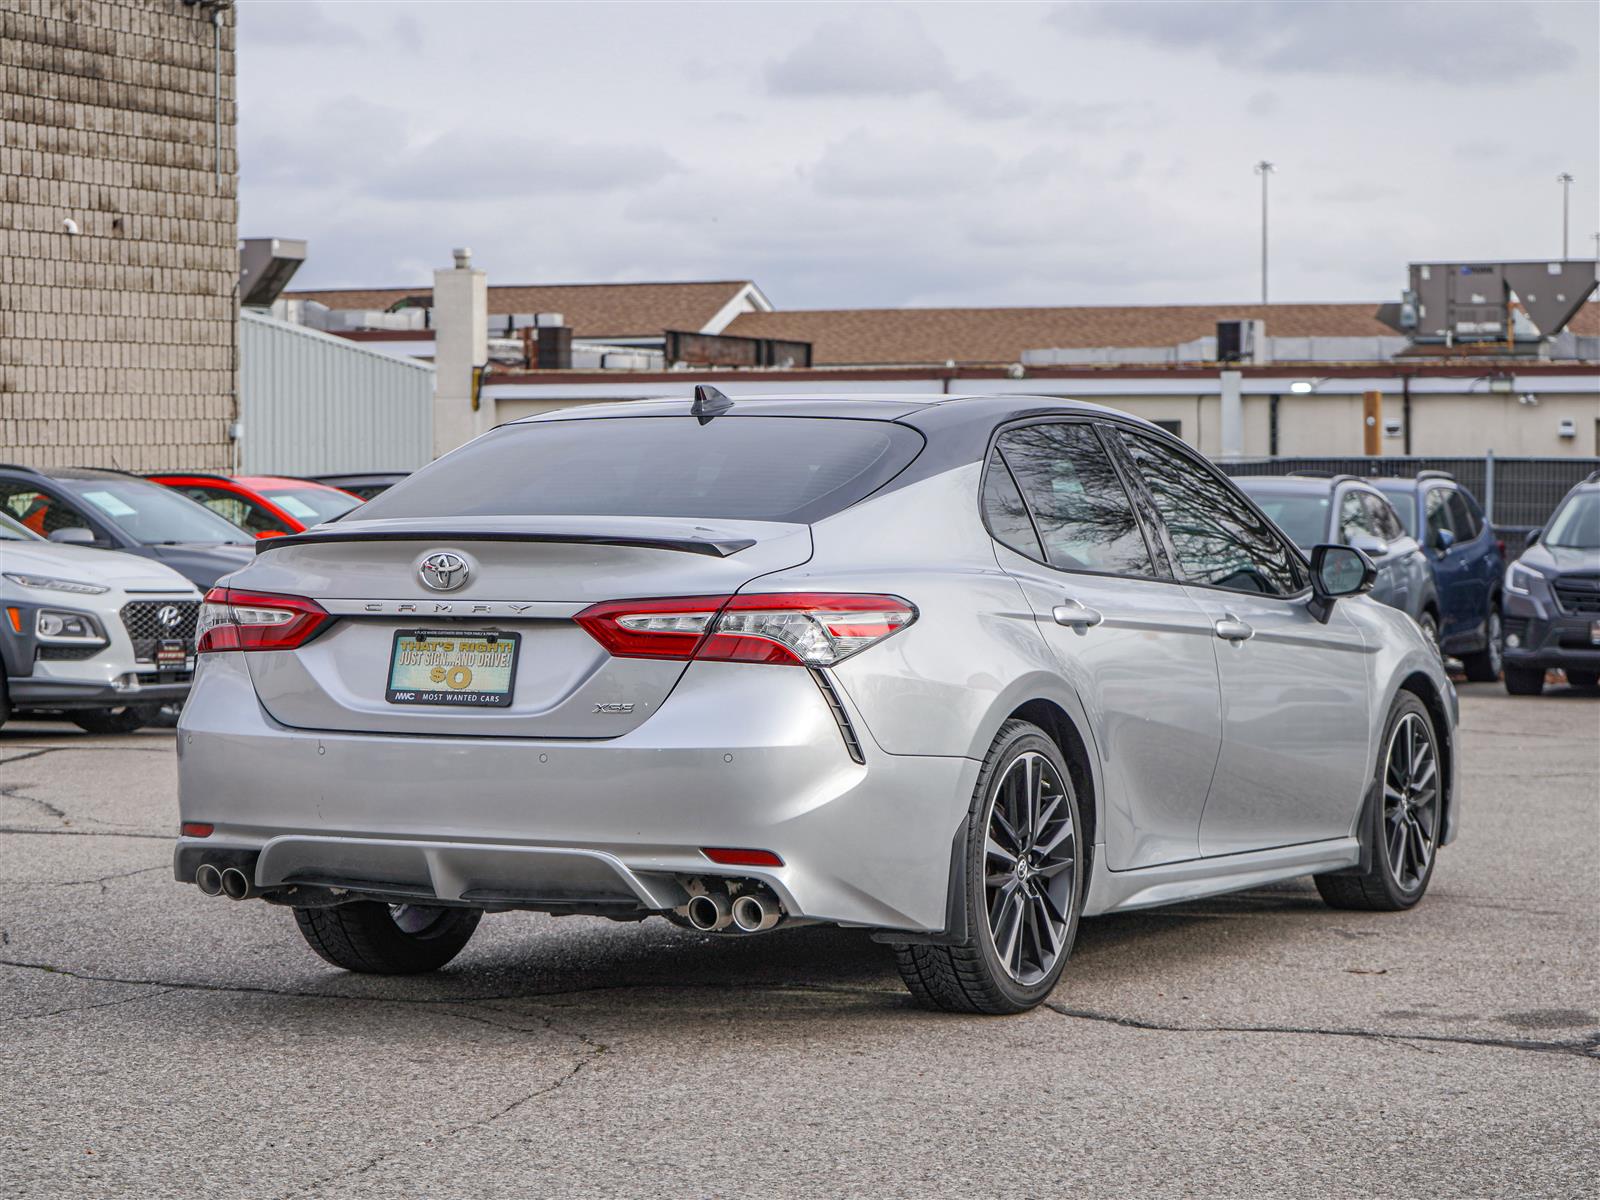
(1565, 180)
(1263, 169)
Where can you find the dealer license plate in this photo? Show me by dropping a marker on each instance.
(470, 669)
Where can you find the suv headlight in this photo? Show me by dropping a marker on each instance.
(53, 625)
(50, 584)
(1523, 581)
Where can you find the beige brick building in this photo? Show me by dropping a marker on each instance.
(117, 342)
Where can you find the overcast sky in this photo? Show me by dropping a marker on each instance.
(844, 155)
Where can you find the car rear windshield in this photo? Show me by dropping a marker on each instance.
(1302, 515)
(740, 468)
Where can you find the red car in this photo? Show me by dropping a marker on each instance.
(263, 505)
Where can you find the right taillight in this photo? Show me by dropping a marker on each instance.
(810, 629)
(234, 619)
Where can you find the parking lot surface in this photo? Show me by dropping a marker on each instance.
(156, 1042)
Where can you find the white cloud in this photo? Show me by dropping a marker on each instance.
(877, 53)
(1472, 43)
(902, 170)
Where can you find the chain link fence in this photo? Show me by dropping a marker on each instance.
(1518, 494)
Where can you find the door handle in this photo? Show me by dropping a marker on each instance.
(1231, 629)
(1076, 615)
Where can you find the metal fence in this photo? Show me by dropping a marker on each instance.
(1518, 494)
(314, 404)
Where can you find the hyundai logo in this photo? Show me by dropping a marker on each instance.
(444, 571)
(169, 616)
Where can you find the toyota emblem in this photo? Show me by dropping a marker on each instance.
(444, 571)
(169, 616)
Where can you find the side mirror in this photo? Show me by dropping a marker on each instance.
(1372, 547)
(1532, 538)
(1338, 571)
(76, 536)
(1444, 539)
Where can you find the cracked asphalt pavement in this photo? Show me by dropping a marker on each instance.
(154, 1042)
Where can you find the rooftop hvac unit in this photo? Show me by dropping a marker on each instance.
(1241, 341)
(265, 267)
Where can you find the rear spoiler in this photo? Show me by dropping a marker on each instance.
(717, 548)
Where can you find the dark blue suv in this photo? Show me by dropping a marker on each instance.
(1468, 562)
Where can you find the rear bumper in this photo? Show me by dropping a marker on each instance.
(741, 755)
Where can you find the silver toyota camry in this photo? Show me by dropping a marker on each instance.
(959, 671)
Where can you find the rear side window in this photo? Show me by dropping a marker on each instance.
(738, 468)
(1382, 518)
(1464, 516)
(1077, 499)
(1006, 514)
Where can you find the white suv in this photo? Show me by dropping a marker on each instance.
(100, 638)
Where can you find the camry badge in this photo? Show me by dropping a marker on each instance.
(444, 571)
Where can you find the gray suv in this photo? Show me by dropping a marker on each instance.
(1351, 512)
(960, 671)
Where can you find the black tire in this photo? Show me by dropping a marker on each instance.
(1378, 888)
(1429, 622)
(368, 936)
(1483, 666)
(1583, 679)
(1524, 681)
(970, 977)
(127, 719)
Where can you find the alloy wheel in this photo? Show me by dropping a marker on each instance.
(1410, 801)
(1030, 868)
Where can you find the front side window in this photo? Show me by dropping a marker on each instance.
(1079, 505)
(1218, 539)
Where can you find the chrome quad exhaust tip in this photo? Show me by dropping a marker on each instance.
(755, 912)
(709, 912)
(235, 883)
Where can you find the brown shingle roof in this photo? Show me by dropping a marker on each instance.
(592, 309)
(1587, 322)
(974, 336)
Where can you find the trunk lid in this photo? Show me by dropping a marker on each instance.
(527, 576)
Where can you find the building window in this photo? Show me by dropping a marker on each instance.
(1175, 428)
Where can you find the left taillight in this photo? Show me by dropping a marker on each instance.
(234, 619)
(808, 629)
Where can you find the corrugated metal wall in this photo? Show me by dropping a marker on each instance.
(313, 404)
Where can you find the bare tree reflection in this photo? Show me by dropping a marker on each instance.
(1078, 502)
(1217, 538)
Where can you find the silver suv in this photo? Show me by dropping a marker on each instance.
(959, 671)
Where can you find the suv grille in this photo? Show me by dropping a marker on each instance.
(1578, 593)
(146, 628)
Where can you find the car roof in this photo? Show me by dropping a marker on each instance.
(933, 408)
(75, 473)
(279, 481)
(1297, 483)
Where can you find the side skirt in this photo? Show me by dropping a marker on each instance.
(1171, 883)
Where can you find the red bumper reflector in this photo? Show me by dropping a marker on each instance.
(198, 829)
(726, 857)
